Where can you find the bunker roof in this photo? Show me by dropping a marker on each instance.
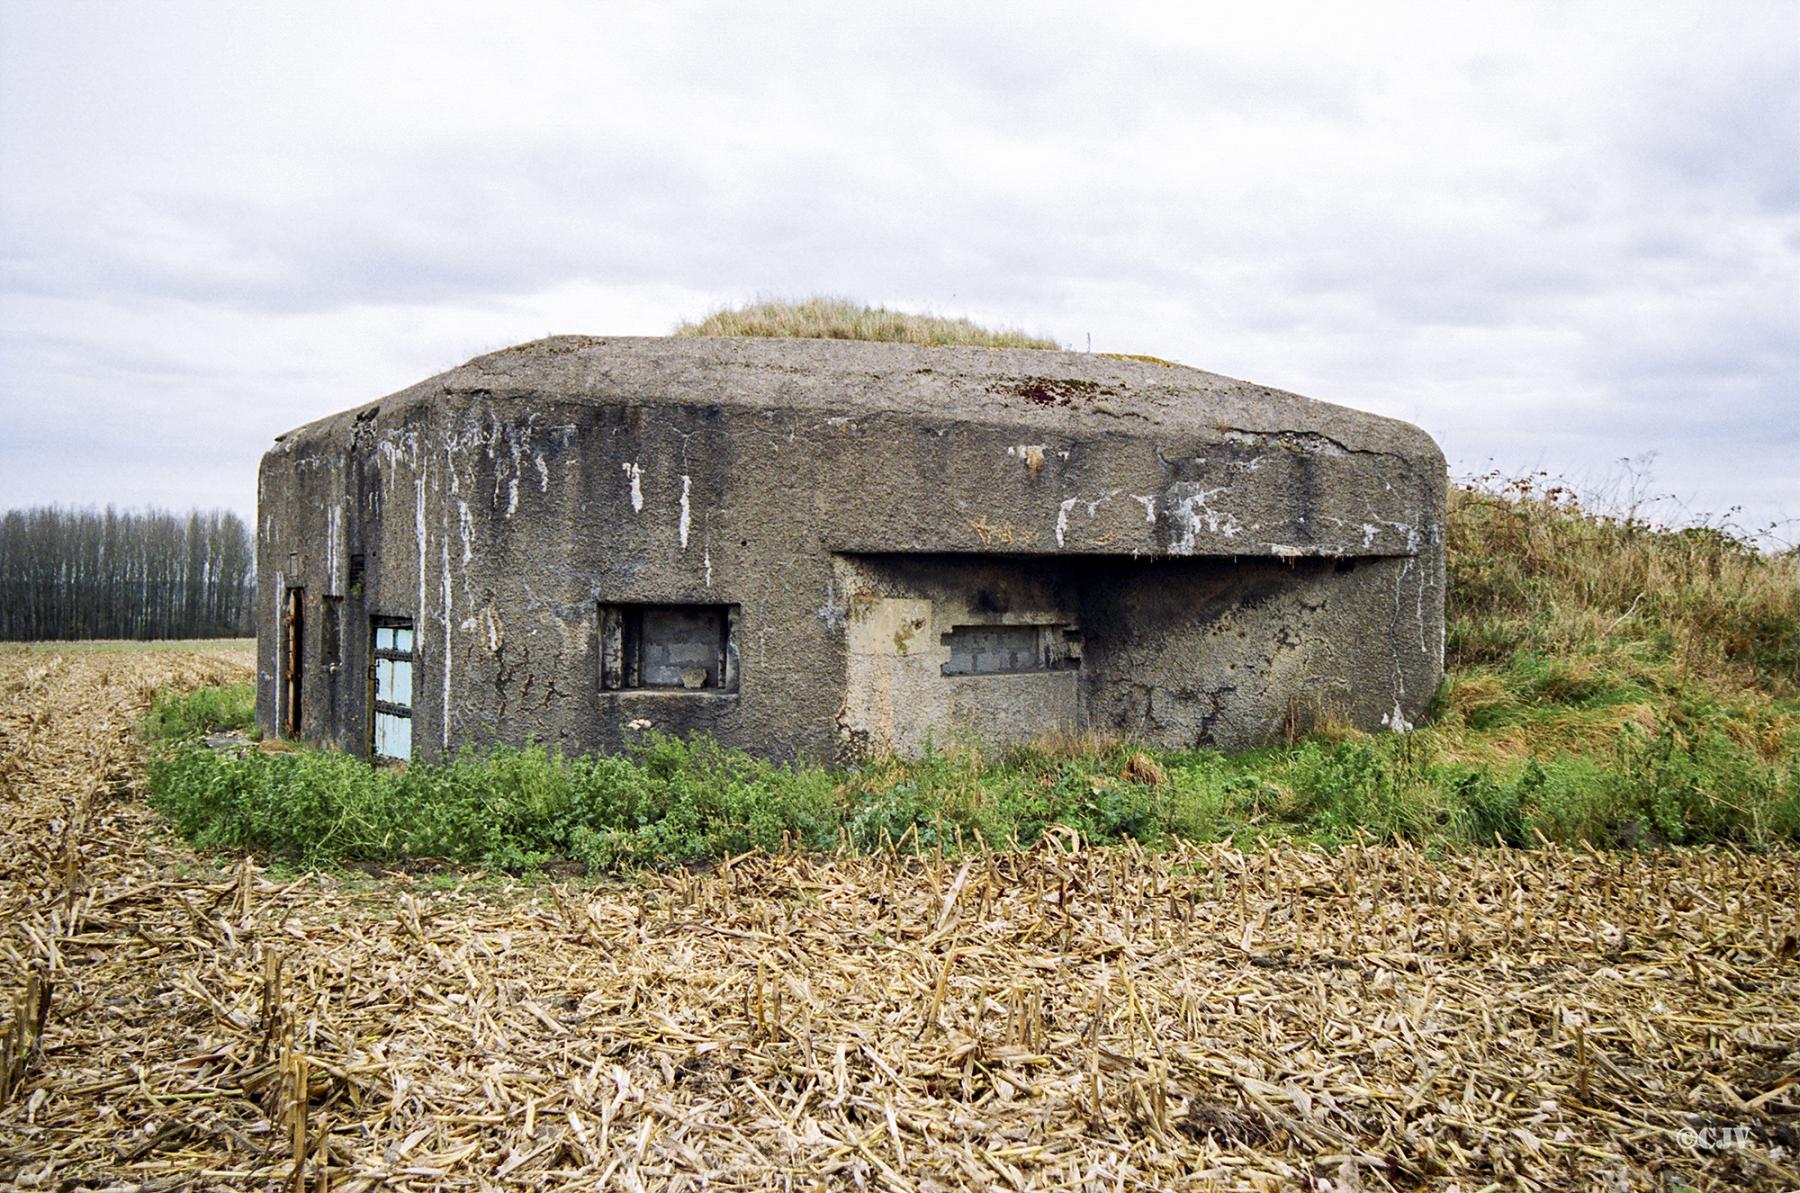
(1069, 392)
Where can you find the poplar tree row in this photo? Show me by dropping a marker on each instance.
(86, 573)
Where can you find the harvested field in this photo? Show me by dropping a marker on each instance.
(1065, 1018)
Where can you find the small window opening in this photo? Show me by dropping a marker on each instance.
(668, 647)
(1011, 649)
(391, 660)
(358, 564)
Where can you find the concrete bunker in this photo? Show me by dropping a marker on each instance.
(837, 549)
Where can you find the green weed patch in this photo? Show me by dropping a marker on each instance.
(183, 716)
(672, 802)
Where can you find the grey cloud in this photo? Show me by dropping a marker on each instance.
(436, 231)
(1733, 134)
(1074, 74)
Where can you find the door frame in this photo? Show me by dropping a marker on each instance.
(293, 658)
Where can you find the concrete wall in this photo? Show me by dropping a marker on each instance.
(1215, 575)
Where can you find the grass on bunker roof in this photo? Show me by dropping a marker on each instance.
(827, 318)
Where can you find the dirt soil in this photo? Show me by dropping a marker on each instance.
(1067, 1018)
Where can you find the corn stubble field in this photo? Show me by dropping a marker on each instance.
(1065, 1018)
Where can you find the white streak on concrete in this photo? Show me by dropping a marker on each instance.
(1190, 505)
(333, 525)
(465, 524)
(543, 470)
(831, 613)
(1419, 592)
(686, 484)
(1397, 720)
(1371, 531)
(446, 559)
(706, 561)
(512, 496)
(1149, 504)
(1411, 532)
(635, 475)
(1069, 503)
(419, 525)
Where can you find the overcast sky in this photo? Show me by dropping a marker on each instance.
(1554, 237)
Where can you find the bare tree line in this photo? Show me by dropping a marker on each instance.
(87, 573)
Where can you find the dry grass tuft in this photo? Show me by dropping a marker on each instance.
(1068, 1017)
(1141, 768)
(1534, 571)
(1074, 743)
(823, 318)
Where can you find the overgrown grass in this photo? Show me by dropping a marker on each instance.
(673, 802)
(1610, 682)
(185, 716)
(1614, 598)
(822, 318)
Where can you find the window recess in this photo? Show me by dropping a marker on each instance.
(1011, 649)
(670, 648)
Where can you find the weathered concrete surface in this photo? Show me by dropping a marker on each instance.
(1220, 559)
